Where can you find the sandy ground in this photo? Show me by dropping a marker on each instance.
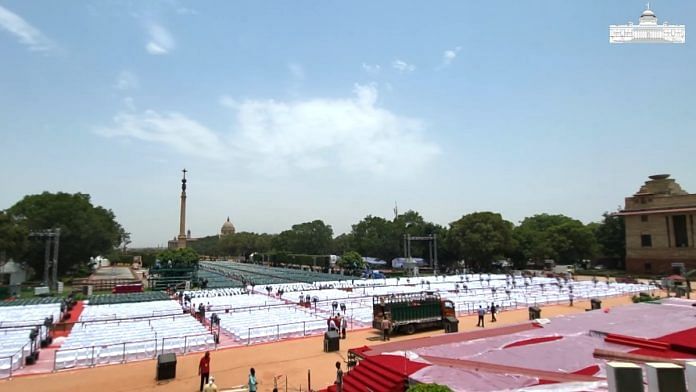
(292, 358)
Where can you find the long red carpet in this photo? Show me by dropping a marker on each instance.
(65, 326)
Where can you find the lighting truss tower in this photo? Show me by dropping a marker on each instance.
(52, 237)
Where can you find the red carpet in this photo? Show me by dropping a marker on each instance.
(533, 341)
(63, 328)
(379, 373)
(680, 344)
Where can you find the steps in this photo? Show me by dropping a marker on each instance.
(379, 374)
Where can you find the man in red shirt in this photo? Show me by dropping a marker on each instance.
(204, 369)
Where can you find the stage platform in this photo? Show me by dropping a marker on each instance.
(570, 350)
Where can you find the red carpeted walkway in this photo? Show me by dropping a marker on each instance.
(63, 328)
(680, 344)
(379, 373)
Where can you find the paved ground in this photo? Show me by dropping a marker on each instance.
(112, 273)
(230, 366)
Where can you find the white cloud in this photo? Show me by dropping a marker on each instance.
(170, 128)
(371, 69)
(449, 55)
(403, 66)
(25, 32)
(352, 134)
(160, 40)
(126, 80)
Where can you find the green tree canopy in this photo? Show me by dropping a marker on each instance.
(429, 388)
(342, 244)
(352, 262)
(557, 237)
(611, 237)
(376, 237)
(479, 238)
(184, 256)
(244, 244)
(14, 240)
(314, 238)
(86, 230)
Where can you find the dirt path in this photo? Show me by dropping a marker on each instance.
(230, 366)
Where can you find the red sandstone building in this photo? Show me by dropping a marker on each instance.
(660, 235)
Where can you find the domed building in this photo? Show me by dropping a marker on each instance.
(647, 31)
(227, 228)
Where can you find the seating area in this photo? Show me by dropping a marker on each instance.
(229, 299)
(104, 299)
(272, 323)
(119, 311)
(103, 342)
(238, 273)
(16, 323)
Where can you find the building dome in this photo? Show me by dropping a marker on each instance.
(227, 228)
(648, 18)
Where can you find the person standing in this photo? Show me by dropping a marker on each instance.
(344, 327)
(210, 386)
(252, 380)
(386, 327)
(339, 377)
(332, 324)
(481, 313)
(570, 297)
(204, 369)
(494, 310)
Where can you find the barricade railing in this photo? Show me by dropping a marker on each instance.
(15, 361)
(281, 332)
(106, 319)
(130, 351)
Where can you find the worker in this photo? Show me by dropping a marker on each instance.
(344, 327)
(204, 369)
(494, 310)
(481, 313)
(339, 377)
(386, 327)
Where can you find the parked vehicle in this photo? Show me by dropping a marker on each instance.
(412, 311)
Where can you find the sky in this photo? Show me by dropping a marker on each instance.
(286, 112)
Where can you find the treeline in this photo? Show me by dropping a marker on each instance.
(478, 238)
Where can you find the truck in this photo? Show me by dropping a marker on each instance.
(409, 312)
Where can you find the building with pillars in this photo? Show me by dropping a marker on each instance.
(660, 231)
(647, 31)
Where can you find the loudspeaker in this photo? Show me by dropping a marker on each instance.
(166, 366)
(331, 341)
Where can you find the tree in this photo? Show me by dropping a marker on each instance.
(558, 237)
(342, 244)
(125, 238)
(13, 236)
(479, 238)
(352, 262)
(179, 257)
(86, 230)
(312, 238)
(611, 237)
(377, 237)
(244, 244)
